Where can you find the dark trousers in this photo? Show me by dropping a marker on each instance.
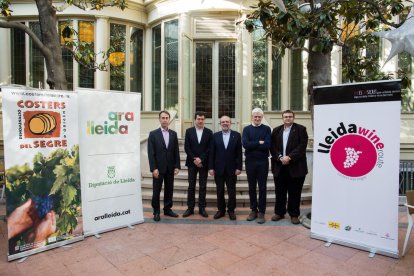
(230, 181)
(192, 181)
(290, 188)
(168, 179)
(257, 171)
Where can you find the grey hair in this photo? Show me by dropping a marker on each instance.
(257, 110)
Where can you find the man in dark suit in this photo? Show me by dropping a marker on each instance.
(225, 163)
(164, 162)
(196, 145)
(289, 166)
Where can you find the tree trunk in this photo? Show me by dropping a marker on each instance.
(319, 71)
(56, 77)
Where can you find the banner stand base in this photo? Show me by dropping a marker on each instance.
(22, 260)
(372, 251)
(97, 231)
(27, 253)
(130, 226)
(67, 246)
(329, 243)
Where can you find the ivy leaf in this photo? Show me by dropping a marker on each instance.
(68, 193)
(66, 223)
(61, 179)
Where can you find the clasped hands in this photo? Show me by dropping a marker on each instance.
(285, 160)
(198, 162)
(156, 172)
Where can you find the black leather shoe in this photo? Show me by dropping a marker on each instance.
(218, 215)
(170, 213)
(252, 216)
(188, 212)
(157, 217)
(232, 215)
(277, 217)
(203, 212)
(295, 220)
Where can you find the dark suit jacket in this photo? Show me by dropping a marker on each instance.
(195, 149)
(160, 157)
(295, 149)
(225, 160)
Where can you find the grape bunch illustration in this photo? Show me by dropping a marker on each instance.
(52, 182)
(352, 157)
(43, 204)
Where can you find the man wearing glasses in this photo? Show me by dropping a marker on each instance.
(289, 166)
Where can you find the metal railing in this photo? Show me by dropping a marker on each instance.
(406, 176)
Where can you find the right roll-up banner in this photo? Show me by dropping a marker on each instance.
(356, 165)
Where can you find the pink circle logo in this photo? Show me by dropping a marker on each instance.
(353, 155)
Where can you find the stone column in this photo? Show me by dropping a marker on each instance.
(5, 66)
(102, 78)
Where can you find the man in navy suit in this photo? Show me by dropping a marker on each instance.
(164, 162)
(289, 166)
(225, 163)
(196, 145)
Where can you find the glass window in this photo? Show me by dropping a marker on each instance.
(18, 57)
(259, 64)
(66, 55)
(168, 44)
(406, 63)
(136, 58)
(227, 79)
(86, 30)
(204, 78)
(156, 68)
(171, 65)
(37, 68)
(296, 80)
(117, 58)
(261, 74)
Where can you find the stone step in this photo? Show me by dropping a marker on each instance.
(184, 175)
(241, 186)
(242, 196)
(242, 200)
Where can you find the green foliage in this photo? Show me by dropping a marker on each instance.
(57, 175)
(335, 22)
(4, 7)
(83, 52)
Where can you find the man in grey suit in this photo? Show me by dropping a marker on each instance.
(225, 163)
(196, 145)
(164, 162)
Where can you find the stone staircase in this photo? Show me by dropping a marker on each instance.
(242, 190)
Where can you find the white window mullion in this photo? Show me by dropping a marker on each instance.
(162, 104)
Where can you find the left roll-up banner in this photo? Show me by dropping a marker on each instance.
(109, 131)
(41, 152)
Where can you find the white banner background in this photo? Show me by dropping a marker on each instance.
(110, 163)
(21, 144)
(358, 211)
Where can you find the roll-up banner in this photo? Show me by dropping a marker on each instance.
(356, 165)
(110, 159)
(41, 151)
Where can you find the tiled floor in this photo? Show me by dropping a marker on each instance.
(198, 246)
